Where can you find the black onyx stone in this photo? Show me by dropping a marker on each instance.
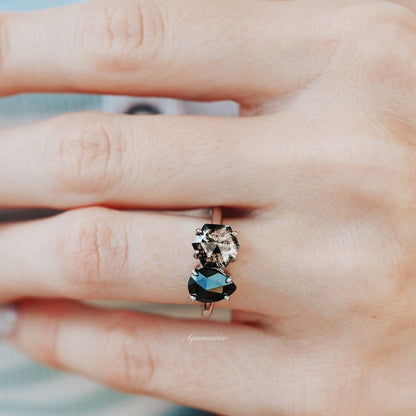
(210, 285)
(216, 245)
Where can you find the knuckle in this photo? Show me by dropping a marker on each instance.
(128, 361)
(380, 31)
(88, 152)
(94, 252)
(115, 36)
(383, 283)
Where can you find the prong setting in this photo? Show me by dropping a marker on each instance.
(192, 297)
(198, 231)
(226, 297)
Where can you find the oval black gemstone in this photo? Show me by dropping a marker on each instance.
(210, 285)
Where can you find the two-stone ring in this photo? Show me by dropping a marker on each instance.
(215, 246)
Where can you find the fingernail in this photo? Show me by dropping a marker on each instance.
(8, 319)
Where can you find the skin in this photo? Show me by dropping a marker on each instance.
(317, 175)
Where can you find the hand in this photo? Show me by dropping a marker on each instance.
(318, 178)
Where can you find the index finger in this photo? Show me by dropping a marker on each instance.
(187, 49)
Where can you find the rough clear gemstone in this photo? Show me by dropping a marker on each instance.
(216, 246)
(210, 285)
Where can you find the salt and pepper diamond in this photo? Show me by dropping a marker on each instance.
(215, 245)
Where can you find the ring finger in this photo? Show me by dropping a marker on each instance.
(98, 253)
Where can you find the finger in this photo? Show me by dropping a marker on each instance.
(410, 4)
(132, 161)
(143, 354)
(194, 50)
(97, 253)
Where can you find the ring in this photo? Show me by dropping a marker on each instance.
(215, 246)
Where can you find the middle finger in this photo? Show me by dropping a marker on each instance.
(147, 162)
